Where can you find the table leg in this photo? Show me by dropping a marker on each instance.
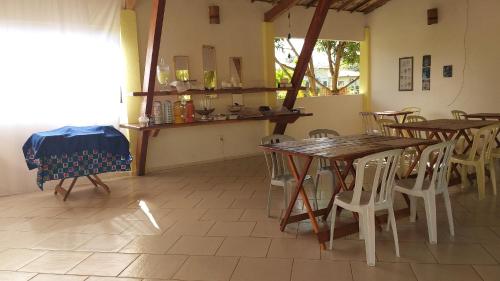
(341, 185)
(100, 183)
(70, 188)
(58, 186)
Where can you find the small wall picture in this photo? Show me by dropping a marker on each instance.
(406, 74)
(448, 71)
(426, 73)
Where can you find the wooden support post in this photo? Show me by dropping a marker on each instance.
(155, 29)
(305, 56)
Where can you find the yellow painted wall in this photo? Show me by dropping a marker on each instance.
(132, 73)
(364, 65)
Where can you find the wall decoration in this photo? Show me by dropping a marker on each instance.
(448, 71)
(406, 74)
(426, 73)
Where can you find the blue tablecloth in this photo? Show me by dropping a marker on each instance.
(76, 151)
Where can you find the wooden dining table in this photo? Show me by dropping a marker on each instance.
(395, 114)
(483, 116)
(443, 130)
(340, 151)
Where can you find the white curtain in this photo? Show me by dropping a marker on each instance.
(60, 65)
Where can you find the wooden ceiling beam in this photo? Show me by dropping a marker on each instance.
(279, 9)
(374, 6)
(359, 5)
(310, 3)
(345, 5)
(305, 56)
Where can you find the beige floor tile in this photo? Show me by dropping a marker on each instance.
(185, 214)
(113, 226)
(260, 215)
(439, 272)
(102, 278)
(244, 247)
(215, 203)
(154, 266)
(493, 249)
(469, 235)
(294, 248)
(56, 262)
(145, 228)
(321, 270)
(35, 224)
(238, 194)
(382, 272)
(207, 268)
(14, 259)
(78, 213)
(64, 241)
(196, 245)
(56, 277)
(343, 249)
(231, 229)
(21, 239)
(461, 254)
(151, 244)
(191, 227)
(262, 269)
(409, 252)
(250, 203)
(181, 203)
(223, 215)
(104, 264)
(488, 272)
(106, 243)
(272, 229)
(15, 276)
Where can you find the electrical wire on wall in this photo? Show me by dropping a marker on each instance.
(466, 32)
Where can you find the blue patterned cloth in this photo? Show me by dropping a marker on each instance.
(71, 152)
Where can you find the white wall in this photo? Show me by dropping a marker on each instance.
(399, 29)
(185, 30)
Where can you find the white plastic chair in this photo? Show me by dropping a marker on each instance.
(428, 189)
(278, 171)
(323, 164)
(478, 156)
(366, 203)
(386, 131)
(369, 120)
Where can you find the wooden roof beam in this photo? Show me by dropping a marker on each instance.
(310, 3)
(305, 56)
(345, 5)
(277, 10)
(359, 5)
(374, 6)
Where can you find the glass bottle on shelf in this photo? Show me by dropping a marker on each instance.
(162, 73)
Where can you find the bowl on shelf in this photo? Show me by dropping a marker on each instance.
(205, 113)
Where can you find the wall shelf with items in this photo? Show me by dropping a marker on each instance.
(217, 91)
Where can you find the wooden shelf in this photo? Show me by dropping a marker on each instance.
(288, 118)
(217, 91)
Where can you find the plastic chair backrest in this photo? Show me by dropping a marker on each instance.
(441, 154)
(458, 114)
(276, 162)
(386, 131)
(416, 118)
(369, 120)
(323, 133)
(416, 110)
(484, 142)
(386, 165)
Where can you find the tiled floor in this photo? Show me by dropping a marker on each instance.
(209, 223)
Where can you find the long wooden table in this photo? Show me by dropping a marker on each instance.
(483, 116)
(338, 150)
(444, 130)
(394, 114)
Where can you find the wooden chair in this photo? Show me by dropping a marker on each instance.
(477, 157)
(278, 171)
(323, 164)
(369, 120)
(365, 200)
(428, 189)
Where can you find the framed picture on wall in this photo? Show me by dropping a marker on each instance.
(406, 74)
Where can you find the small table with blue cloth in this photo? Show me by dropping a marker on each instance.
(73, 152)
